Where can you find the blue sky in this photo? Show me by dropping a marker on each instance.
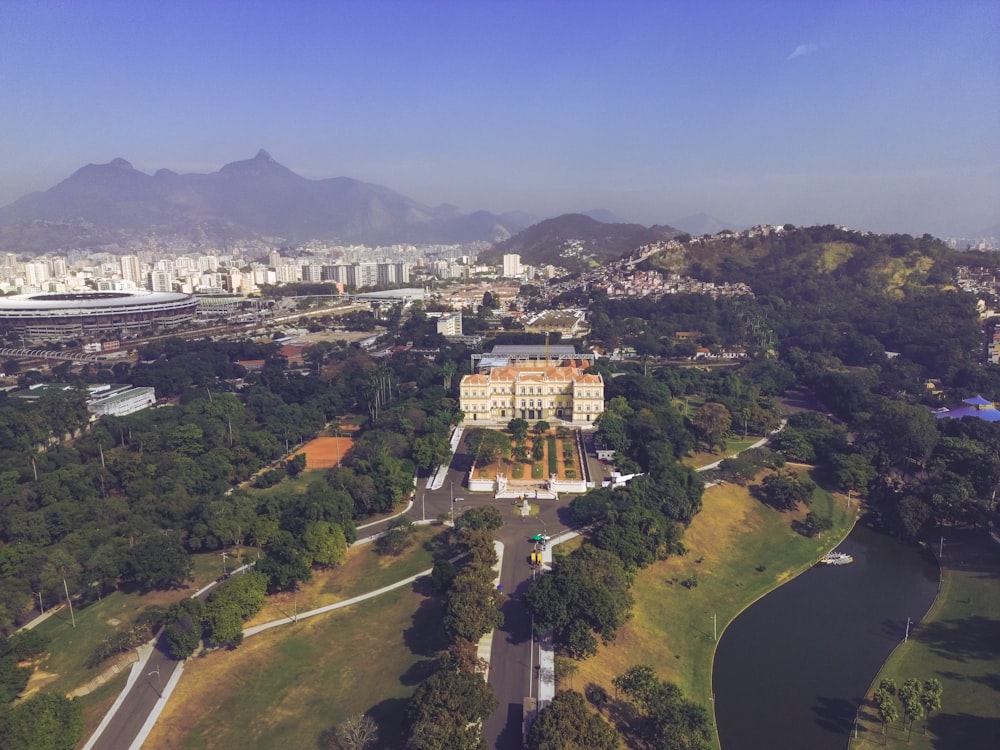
(879, 115)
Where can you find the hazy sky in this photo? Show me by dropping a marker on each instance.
(880, 115)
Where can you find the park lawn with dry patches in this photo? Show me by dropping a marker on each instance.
(364, 570)
(738, 549)
(286, 686)
(65, 664)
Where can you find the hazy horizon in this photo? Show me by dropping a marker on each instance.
(882, 116)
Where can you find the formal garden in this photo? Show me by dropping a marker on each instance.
(523, 452)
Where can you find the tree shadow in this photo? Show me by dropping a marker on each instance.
(566, 517)
(973, 638)
(510, 737)
(390, 715)
(425, 636)
(962, 731)
(516, 620)
(836, 715)
(419, 671)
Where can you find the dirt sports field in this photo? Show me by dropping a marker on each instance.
(325, 452)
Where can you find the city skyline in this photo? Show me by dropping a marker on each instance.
(880, 116)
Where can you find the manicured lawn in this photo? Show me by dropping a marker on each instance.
(286, 686)
(738, 550)
(958, 643)
(364, 570)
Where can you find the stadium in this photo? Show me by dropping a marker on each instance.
(89, 314)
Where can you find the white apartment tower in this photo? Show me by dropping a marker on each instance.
(161, 281)
(130, 268)
(512, 265)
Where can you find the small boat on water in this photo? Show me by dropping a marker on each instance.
(836, 558)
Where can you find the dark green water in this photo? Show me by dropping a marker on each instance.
(791, 671)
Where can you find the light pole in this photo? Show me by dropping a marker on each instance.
(423, 510)
(159, 684)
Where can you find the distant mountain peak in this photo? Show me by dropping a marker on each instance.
(103, 204)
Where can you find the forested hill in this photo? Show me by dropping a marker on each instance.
(851, 293)
(576, 241)
(798, 260)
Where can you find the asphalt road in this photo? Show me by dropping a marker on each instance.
(123, 728)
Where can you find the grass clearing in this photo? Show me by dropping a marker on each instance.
(65, 665)
(363, 570)
(958, 642)
(284, 687)
(738, 550)
(733, 446)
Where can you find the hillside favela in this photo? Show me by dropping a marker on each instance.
(453, 376)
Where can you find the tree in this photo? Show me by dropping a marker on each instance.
(910, 697)
(611, 431)
(567, 724)
(325, 543)
(486, 517)
(931, 698)
(183, 629)
(488, 446)
(447, 710)
(358, 732)
(296, 464)
(471, 610)
(667, 718)
(586, 594)
(285, 564)
(518, 429)
(712, 421)
(886, 705)
(158, 561)
(786, 489)
(48, 721)
(854, 472)
(397, 538)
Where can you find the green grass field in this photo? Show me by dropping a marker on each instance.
(958, 642)
(738, 550)
(285, 687)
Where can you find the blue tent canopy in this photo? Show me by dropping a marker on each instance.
(977, 401)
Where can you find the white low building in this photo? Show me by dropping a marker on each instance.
(122, 401)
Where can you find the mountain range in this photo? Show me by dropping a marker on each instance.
(106, 204)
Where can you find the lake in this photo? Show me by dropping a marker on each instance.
(791, 670)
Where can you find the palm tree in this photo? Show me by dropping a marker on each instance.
(448, 370)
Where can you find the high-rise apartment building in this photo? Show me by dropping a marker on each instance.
(512, 265)
(131, 269)
(161, 281)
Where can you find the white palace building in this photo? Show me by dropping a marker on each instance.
(532, 383)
